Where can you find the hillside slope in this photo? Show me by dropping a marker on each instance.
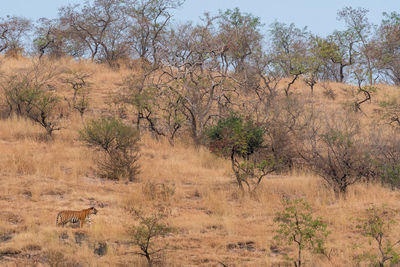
(213, 222)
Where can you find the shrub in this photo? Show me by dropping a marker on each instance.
(386, 149)
(158, 191)
(234, 135)
(241, 140)
(285, 121)
(149, 229)
(377, 225)
(297, 226)
(119, 144)
(81, 88)
(339, 154)
(27, 95)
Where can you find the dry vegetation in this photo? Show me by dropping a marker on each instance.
(213, 222)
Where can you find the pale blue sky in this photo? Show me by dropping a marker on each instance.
(318, 15)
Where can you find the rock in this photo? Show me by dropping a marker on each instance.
(231, 246)
(101, 249)
(248, 245)
(64, 236)
(79, 237)
(9, 252)
(274, 250)
(32, 247)
(27, 194)
(4, 237)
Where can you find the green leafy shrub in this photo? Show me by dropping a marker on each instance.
(298, 227)
(235, 135)
(377, 225)
(29, 98)
(242, 141)
(145, 234)
(390, 175)
(119, 142)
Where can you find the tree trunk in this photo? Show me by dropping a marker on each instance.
(341, 70)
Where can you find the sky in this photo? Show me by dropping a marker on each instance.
(318, 15)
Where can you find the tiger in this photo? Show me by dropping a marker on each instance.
(72, 216)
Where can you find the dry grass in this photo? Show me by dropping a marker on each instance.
(209, 215)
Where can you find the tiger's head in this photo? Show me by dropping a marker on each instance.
(93, 210)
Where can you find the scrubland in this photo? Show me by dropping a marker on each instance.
(213, 222)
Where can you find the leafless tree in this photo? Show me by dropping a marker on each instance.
(290, 47)
(386, 47)
(49, 38)
(149, 20)
(240, 33)
(193, 71)
(336, 150)
(80, 85)
(360, 29)
(97, 28)
(12, 32)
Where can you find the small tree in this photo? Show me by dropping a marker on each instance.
(81, 87)
(241, 140)
(12, 33)
(360, 29)
(338, 153)
(30, 94)
(149, 229)
(386, 151)
(289, 45)
(49, 38)
(40, 107)
(377, 225)
(388, 40)
(297, 226)
(119, 143)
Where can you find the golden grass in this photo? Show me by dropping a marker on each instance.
(209, 214)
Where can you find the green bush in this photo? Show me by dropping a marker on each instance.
(390, 175)
(29, 99)
(235, 135)
(145, 234)
(119, 144)
(298, 227)
(242, 141)
(377, 224)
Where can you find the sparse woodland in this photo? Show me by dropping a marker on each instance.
(222, 143)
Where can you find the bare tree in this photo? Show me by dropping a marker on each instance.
(80, 85)
(49, 38)
(240, 33)
(290, 47)
(149, 22)
(360, 29)
(12, 32)
(337, 152)
(386, 149)
(194, 73)
(387, 46)
(97, 28)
